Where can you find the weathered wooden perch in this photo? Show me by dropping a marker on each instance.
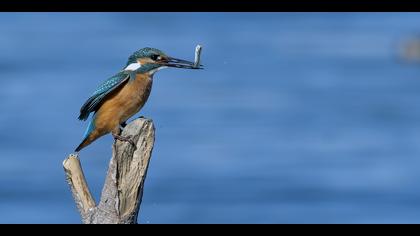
(123, 189)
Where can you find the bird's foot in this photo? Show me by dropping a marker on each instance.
(124, 138)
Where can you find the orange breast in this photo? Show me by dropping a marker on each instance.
(123, 104)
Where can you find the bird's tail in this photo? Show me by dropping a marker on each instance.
(88, 137)
(83, 144)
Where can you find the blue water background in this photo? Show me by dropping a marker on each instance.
(297, 117)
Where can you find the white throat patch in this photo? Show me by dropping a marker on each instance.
(157, 69)
(133, 66)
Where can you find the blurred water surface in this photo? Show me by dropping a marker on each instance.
(297, 118)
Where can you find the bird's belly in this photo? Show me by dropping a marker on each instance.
(131, 106)
(123, 104)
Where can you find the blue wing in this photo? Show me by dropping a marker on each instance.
(93, 103)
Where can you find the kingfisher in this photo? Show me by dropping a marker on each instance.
(124, 94)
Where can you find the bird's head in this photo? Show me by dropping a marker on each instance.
(150, 60)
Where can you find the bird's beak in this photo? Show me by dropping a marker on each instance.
(179, 63)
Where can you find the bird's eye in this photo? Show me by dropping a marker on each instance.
(155, 57)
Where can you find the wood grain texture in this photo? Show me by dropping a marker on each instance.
(123, 189)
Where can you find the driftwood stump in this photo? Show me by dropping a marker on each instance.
(123, 188)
